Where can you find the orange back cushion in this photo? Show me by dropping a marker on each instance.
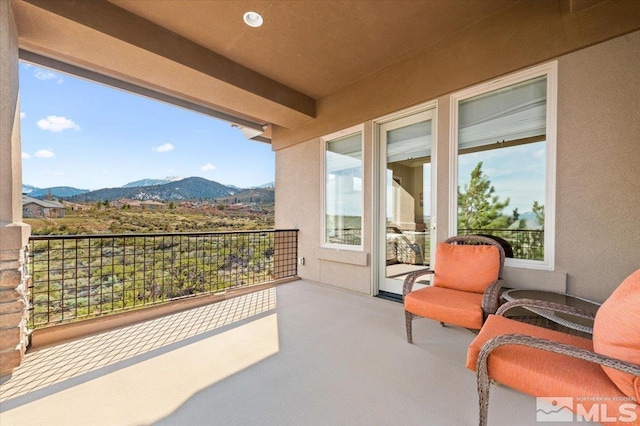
(466, 267)
(616, 332)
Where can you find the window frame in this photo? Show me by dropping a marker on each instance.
(358, 129)
(550, 70)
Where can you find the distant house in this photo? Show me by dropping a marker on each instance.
(236, 206)
(132, 204)
(135, 204)
(153, 205)
(33, 208)
(75, 206)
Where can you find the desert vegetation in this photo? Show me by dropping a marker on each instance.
(104, 219)
(105, 259)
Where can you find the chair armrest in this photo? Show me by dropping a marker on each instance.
(547, 306)
(490, 297)
(551, 346)
(410, 279)
(543, 344)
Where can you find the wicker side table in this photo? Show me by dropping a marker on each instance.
(567, 320)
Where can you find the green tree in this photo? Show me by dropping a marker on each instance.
(538, 210)
(478, 207)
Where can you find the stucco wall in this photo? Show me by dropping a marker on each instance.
(597, 191)
(298, 206)
(598, 179)
(298, 200)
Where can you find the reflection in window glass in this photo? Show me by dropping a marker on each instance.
(502, 152)
(343, 191)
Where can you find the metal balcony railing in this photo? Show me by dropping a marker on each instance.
(84, 276)
(525, 243)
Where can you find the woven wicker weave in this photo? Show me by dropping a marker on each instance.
(491, 294)
(544, 308)
(544, 344)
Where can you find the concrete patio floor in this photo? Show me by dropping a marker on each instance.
(297, 354)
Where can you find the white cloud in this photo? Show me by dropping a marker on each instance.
(22, 115)
(25, 155)
(44, 153)
(165, 147)
(42, 74)
(54, 123)
(207, 167)
(541, 153)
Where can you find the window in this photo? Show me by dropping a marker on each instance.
(343, 192)
(503, 144)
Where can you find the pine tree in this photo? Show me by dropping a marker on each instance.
(478, 207)
(538, 210)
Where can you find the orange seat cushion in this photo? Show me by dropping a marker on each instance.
(616, 332)
(541, 373)
(446, 305)
(466, 267)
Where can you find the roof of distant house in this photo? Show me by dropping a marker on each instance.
(43, 203)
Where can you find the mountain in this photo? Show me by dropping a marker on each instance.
(193, 188)
(267, 185)
(26, 189)
(151, 182)
(254, 195)
(530, 221)
(55, 191)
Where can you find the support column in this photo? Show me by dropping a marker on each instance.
(14, 235)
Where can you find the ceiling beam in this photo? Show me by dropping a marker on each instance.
(107, 19)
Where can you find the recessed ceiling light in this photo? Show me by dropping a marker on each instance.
(253, 19)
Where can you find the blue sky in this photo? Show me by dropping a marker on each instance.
(85, 135)
(517, 173)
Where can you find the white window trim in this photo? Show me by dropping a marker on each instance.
(551, 71)
(323, 221)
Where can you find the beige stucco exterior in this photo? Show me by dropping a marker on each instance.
(598, 181)
(597, 239)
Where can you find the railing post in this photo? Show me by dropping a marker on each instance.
(14, 235)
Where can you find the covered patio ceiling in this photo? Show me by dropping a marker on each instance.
(202, 51)
(313, 66)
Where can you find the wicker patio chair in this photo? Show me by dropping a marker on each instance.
(548, 363)
(465, 285)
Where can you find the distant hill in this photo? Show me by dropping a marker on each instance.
(530, 221)
(55, 191)
(267, 185)
(151, 182)
(26, 189)
(193, 188)
(254, 195)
